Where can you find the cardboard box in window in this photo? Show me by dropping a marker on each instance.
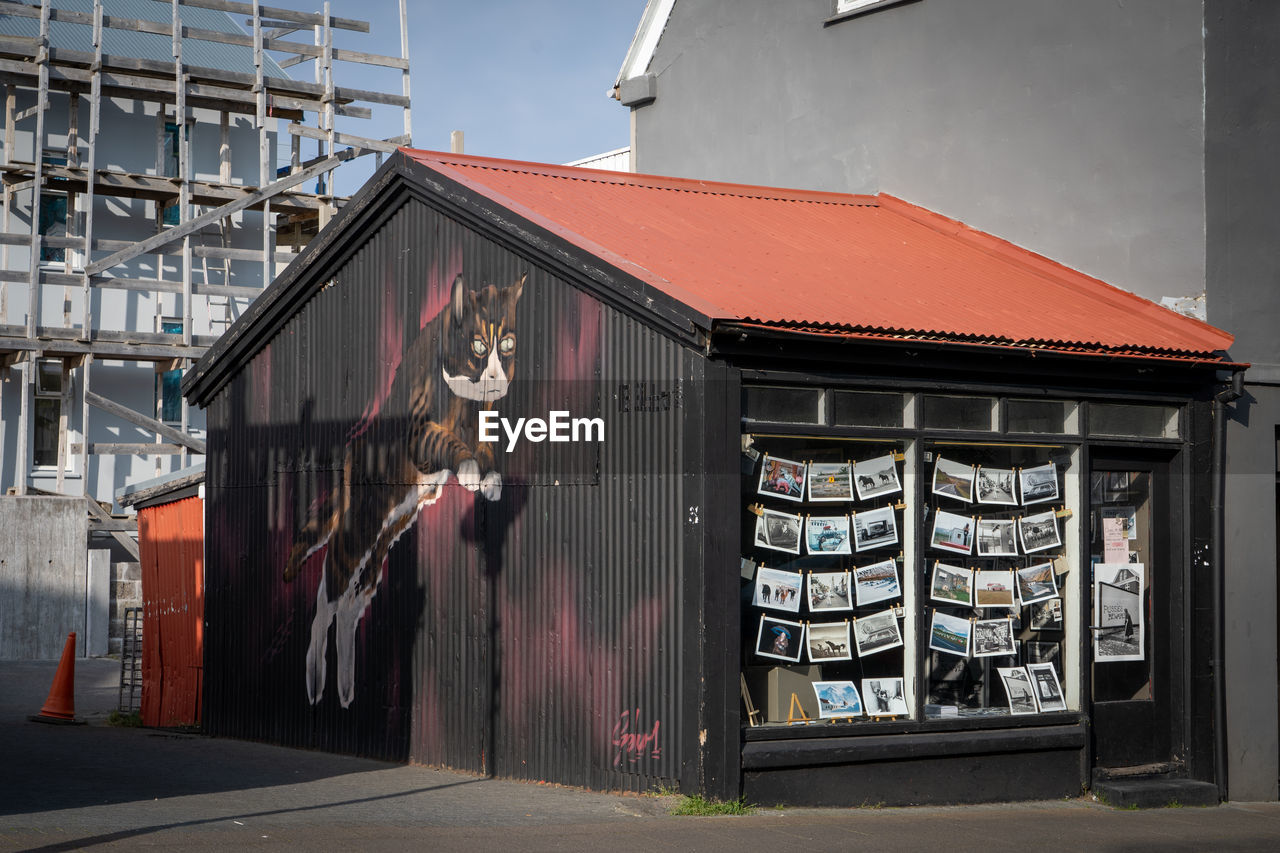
(771, 691)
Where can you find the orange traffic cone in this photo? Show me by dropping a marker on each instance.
(60, 707)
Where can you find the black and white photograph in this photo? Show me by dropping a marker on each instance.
(778, 590)
(1117, 612)
(993, 638)
(876, 633)
(1038, 652)
(995, 486)
(1017, 686)
(779, 531)
(827, 534)
(884, 697)
(876, 477)
(837, 699)
(951, 585)
(1045, 687)
(1037, 583)
(830, 591)
(828, 641)
(953, 480)
(1047, 615)
(780, 639)
(952, 532)
(997, 537)
(993, 589)
(1039, 532)
(875, 528)
(877, 582)
(950, 634)
(830, 481)
(1038, 484)
(782, 478)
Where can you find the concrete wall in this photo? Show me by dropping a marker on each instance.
(1242, 205)
(43, 575)
(1059, 126)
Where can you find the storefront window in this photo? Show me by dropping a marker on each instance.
(828, 631)
(997, 575)
(1140, 421)
(968, 413)
(911, 578)
(783, 405)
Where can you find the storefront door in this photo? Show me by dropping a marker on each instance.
(1134, 585)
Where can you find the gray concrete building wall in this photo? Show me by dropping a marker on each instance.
(1058, 126)
(1242, 205)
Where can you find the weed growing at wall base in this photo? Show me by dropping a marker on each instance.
(702, 807)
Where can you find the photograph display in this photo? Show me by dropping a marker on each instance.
(827, 534)
(1037, 583)
(953, 480)
(885, 697)
(837, 699)
(876, 477)
(777, 589)
(779, 531)
(876, 633)
(995, 486)
(997, 537)
(829, 591)
(1039, 532)
(1045, 687)
(877, 582)
(1017, 686)
(828, 641)
(950, 634)
(993, 589)
(952, 532)
(951, 585)
(830, 481)
(1047, 615)
(780, 639)
(993, 637)
(875, 528)
(782, 478)
(1117, 611)
(1038, 484)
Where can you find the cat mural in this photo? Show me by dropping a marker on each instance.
(461, 362)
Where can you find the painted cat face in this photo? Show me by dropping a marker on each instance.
(480, 346)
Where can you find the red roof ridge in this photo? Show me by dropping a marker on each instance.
(1035, 262)
(640, 179)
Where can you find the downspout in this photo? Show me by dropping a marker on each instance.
(1217, 503)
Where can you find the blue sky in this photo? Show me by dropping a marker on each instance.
(523, 80)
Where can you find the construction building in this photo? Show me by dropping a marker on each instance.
(159, 166)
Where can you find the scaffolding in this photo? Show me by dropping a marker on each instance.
(294, 202)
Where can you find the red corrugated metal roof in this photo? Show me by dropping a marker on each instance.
(873, 265)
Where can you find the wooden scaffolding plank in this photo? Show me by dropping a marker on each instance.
(97, 513)
(147, 423)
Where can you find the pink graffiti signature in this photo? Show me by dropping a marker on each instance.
(634, 744)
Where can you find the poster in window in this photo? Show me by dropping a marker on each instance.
(952, 532)
(993, 638)
(828, 641)
(1045, 687)
(996, 486)
(782, 478)
(1039, 532)
(1117, 612)
(875, 528)
(1017, 687)
(993, 589)
(877, 582)
(885, 697)
(951, 585)
(1037, 583)
(953, 480)
(950, 634)
(877, 633)
(827, 534)
(1038, 484)
(876, 477)
(780, 639)
(997, 537)
(830, 481)
(777, 589)
(779, 531)
(830, 591)
(837, 699)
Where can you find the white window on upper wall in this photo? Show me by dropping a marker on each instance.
(844, 7)
(48, 413)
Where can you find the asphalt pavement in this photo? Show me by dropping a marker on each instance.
(101, 787)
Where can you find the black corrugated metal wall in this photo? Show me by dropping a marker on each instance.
(539, 635)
